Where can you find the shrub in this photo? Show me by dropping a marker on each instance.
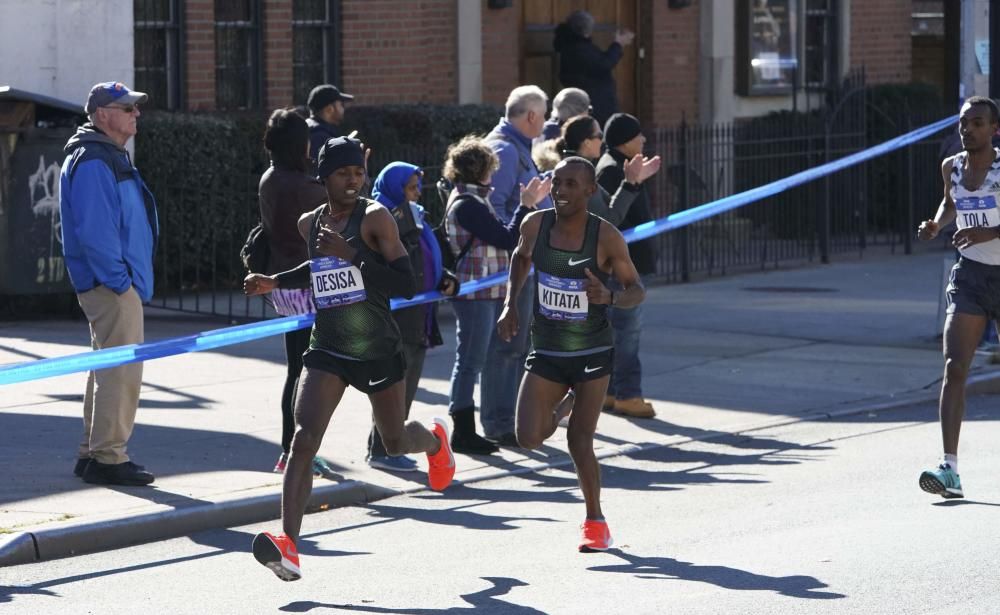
(204, 170)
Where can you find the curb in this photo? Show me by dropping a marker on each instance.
(113, 532)
(64, 540)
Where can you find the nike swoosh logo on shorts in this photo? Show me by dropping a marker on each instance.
(372, 383)
(589, 370)
(573, 262)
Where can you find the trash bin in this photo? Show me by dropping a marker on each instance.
(33, 130)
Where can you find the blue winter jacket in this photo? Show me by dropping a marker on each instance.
(109, 222)
(516, 167)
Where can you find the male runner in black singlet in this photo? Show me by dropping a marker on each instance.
(574, 252)
(356, 262)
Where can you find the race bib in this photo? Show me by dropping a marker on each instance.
(562, 298)
(335, 282)
(977, 211)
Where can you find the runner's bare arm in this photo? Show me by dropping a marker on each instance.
(379, 231)
(520, 264)
(946, 212)
(612, 246)
(520, 259)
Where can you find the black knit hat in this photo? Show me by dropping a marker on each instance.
(621, 128)
(337, 153)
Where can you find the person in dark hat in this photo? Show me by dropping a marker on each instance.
(109, 236)
(326, 112)
(356, 262)
(624, 140)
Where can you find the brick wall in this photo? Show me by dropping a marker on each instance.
(501, 52)
(669, 73)
(199, 47)
(880, 39)
(397, 51)
(277, 53)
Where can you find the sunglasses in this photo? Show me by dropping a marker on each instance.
(129, 109)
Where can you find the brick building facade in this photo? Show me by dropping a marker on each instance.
(260, 54)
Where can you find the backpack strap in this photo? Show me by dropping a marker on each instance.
(468, 244)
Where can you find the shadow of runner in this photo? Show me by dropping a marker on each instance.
(484, 601)
(796, 586)
(455, 516)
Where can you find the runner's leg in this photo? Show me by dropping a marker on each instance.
(318, 396)
(582, 426)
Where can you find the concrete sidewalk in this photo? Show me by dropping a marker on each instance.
(720, 356)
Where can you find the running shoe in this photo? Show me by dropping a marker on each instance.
(942, 481)
(393, 464)
(322, 468)
(279, 467)
(595, 536)
(278, 553)
(440, 465)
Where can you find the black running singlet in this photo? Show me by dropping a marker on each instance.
(353, 320)
(565, 323)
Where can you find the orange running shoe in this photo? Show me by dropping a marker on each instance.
(279, 554)
(596, 536)
(440, 465)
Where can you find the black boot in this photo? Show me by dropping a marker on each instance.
(464, 438)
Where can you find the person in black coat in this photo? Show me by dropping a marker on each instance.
(583, 65)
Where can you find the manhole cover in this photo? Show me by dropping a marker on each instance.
(789, 289)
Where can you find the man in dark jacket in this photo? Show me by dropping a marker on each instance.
(326, 112)
(624, 139)
(583, 65)
(109, 234)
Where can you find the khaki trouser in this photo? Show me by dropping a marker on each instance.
(112, 395)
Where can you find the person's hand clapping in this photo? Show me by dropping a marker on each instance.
(536, 190)
(624, 37)
(640, 168)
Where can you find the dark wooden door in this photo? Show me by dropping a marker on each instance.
(539, 62)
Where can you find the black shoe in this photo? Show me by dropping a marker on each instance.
(127, 473)
(81, 466)
(508, 440)
(464, 438)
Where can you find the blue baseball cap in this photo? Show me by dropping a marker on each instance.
(104, 94)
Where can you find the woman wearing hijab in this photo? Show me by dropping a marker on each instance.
(398, 187)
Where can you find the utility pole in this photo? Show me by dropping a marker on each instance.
(974, 56)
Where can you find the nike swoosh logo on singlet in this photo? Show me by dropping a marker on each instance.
(589, 370)
(372, 383)
(574, 262)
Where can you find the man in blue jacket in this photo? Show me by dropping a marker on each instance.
(109, 234)
(511, 139)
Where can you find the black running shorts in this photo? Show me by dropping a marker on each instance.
(974, 288)
(571, 370)
(365, 376)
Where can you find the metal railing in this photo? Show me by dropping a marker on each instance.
(875, 204)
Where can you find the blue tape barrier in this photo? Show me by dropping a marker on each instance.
(113, 357)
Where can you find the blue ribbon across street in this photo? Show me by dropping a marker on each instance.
(119, 355)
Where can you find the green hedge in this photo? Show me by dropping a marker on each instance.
(204, 170)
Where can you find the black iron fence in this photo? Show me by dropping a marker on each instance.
(874, 204)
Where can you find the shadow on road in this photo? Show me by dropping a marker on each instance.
(484, 601)
(796, 586)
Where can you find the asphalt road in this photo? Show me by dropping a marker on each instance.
(814, 517)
